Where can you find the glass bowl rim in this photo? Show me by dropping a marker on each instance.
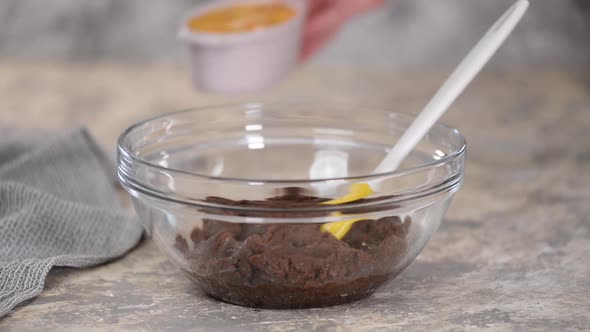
(125, 155)
(125, 152)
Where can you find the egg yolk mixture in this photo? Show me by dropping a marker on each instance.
(242, 18)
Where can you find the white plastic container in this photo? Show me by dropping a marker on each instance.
(245, 61)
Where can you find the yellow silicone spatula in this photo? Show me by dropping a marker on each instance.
(440, 102)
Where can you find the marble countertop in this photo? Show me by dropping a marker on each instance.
(512, 253)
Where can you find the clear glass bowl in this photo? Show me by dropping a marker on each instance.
(233, 196)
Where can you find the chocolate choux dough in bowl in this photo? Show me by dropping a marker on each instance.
(233, 195)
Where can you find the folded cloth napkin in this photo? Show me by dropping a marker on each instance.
(58, 207)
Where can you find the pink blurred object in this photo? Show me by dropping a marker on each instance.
(326, 17)
(245, 61)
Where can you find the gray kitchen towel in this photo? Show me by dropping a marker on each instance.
(58, 207)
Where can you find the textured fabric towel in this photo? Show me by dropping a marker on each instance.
(58, 207)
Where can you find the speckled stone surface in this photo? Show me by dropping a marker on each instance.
(512, 253)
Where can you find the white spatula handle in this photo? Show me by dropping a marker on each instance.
(455, 84)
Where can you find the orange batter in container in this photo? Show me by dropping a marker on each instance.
(242, 18)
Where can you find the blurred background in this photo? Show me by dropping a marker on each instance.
(401, 33)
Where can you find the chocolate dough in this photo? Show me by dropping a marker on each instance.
(292, 265)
